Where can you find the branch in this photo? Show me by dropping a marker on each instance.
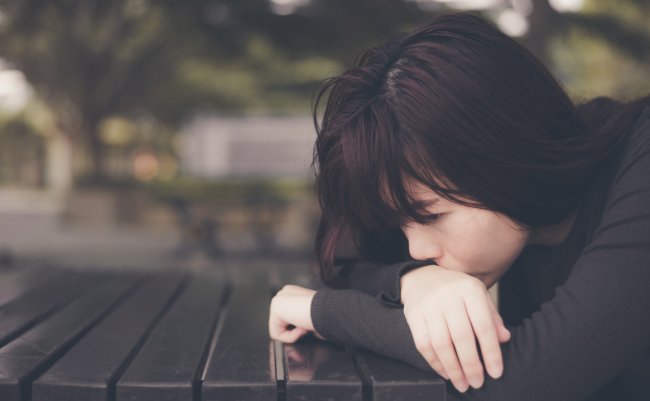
(629, 39)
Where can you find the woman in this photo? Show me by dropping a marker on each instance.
(455, 160)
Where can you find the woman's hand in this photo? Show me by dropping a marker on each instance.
(447, 311)
(290, 315)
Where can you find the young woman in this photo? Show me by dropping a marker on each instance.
(454, 160)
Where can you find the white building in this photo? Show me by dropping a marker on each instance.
(267, 147)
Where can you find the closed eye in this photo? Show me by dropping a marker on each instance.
(428, 218)
(432, 217)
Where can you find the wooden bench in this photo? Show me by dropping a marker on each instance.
(71, 335)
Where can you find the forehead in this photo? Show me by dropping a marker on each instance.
(415, 190)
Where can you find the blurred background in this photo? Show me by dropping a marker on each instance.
(150, 133)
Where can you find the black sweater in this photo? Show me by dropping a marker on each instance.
(578, 311)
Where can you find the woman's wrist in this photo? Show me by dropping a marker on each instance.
(410, 277)
(305, 310)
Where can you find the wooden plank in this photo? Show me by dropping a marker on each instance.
(168, 365)
(241, 364)
(17, 281)
(317, 370)
(28, 355)
(393, 380)
(36, 304)
(383, 378)
(88, 371)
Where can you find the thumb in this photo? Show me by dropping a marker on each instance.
(293, 335)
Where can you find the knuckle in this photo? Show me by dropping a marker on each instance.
(441, 345)
(440, 340)
(474, 284)
(429, 299)
(422, 346)
(483, 327)
(434, 361)
(428, 356)
(448, 292)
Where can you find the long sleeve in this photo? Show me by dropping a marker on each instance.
(352, 317)
(376, 279)
(595, 325)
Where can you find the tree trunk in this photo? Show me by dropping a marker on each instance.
(542, 20)
(95, 150)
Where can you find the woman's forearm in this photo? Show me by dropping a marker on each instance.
(352, 317)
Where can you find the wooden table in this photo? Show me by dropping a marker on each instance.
(72, 335)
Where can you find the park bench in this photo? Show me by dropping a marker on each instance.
(86, 335)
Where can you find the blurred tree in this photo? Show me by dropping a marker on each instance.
(627, 33)
(22, 153)
(91, 60)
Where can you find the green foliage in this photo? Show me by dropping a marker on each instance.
(605, 50)
(93, 60)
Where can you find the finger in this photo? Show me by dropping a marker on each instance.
(291, 336)
(504, 333)
(293, 355)
(444, 348)
(423, 343)
(274, 328)
(292, 289)
(462, 335)
(485, 329)
(278, 328)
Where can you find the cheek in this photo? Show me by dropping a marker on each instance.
(487, 240)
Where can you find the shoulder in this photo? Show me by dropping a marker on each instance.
(628, 203)
(635, 157)
(640, 135)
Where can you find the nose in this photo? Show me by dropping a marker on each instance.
(422, 244)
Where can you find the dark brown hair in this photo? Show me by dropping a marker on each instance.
(467, 111)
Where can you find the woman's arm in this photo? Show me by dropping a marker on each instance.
(352, 317)
(596, 324)
(376, 279)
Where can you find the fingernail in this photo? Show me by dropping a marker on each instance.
(476, 381)
(496, 369)
(462, 386)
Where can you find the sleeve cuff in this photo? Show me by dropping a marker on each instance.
(393, 296)
(317, 311)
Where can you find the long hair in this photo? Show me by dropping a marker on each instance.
(465, 110)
